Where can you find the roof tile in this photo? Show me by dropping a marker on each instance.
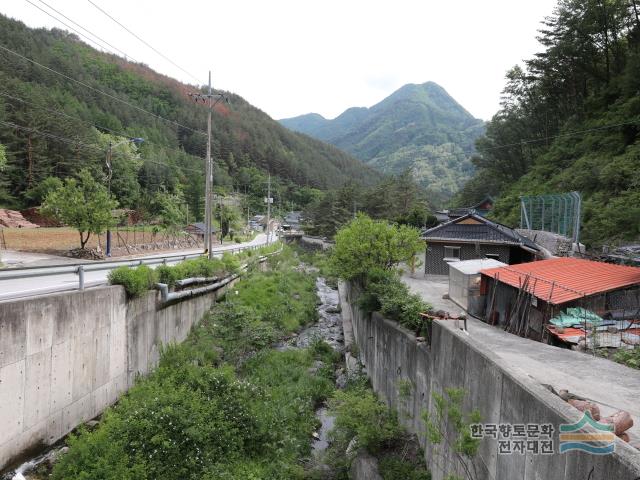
(561, 280)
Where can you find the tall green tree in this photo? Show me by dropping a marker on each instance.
(366, 245)
(83, 204)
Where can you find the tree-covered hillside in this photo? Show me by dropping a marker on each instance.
(52, 124)
(419, 126)
(570, 120)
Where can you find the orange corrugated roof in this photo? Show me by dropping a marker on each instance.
(560, 280)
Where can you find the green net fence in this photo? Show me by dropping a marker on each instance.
(556, 213)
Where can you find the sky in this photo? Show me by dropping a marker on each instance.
(291, 57)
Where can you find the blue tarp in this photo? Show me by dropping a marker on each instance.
(576, 316)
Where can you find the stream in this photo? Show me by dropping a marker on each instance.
(327, 328)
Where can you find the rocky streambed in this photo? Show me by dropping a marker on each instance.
(327, 328)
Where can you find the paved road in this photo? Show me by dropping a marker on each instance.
(27, 287)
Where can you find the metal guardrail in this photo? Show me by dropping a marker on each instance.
(81, 269)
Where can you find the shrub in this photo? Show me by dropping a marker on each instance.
(230, 263)
(386, 293)
(360, 414)
(365, 245)
(167, 274)
(630, 358)
(393, 468)
(198, 267)
(135, 281)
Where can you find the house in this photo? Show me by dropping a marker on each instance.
(464, 283)
(472, 236)
(527, 298)
(198, 229)
(293, 220)
(481, 208)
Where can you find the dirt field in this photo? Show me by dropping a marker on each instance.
(60, 240)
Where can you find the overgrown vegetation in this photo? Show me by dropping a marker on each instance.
(199, 267)
(368, 253)
(222, 405)
(367, 423)
(138, 280)
(135, 281)
(628, 357)
(384, 292)
(569, 121)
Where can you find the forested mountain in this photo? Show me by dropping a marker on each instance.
(418, 126)
(53, 124)
(570, 120)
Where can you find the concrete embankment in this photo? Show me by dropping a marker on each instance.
(65, 357)
(503, 395)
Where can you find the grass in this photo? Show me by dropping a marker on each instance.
(223, 404)
(360, 415)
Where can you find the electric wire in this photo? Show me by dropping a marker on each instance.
(79, 143)
(99, 127)
(146, 43)
(78, 32)
(97, 90)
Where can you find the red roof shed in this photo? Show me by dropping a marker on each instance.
(561, 280)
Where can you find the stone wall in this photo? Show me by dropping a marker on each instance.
(65, 357)
(392, 357)
(556, 244)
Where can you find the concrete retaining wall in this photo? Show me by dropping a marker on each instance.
(65, 357)
(392, 358)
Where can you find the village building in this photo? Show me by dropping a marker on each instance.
(472, 237)
(481, 208)
(561, 300)
(292, 221)
(198, 229)
(464, 283)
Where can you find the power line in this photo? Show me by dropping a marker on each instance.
(78, 143)
(173, 122)
(560, 135)
(146, 43)
(62, 114)
(100, 127)
(76, 31)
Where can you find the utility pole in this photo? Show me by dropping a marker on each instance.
(269, 200)
(208, 99)
(208, 180)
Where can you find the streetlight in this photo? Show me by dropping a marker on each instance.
(134, 140)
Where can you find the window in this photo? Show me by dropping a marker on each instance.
(451, 254)
(494, 256)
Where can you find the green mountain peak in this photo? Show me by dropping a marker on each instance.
(419, 126)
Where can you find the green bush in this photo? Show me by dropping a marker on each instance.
(359, 413)
(167, 274)
(393, 468)
(135, 281)
(386, 293)
(199, 267)
(230, 263)
(630, 358)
